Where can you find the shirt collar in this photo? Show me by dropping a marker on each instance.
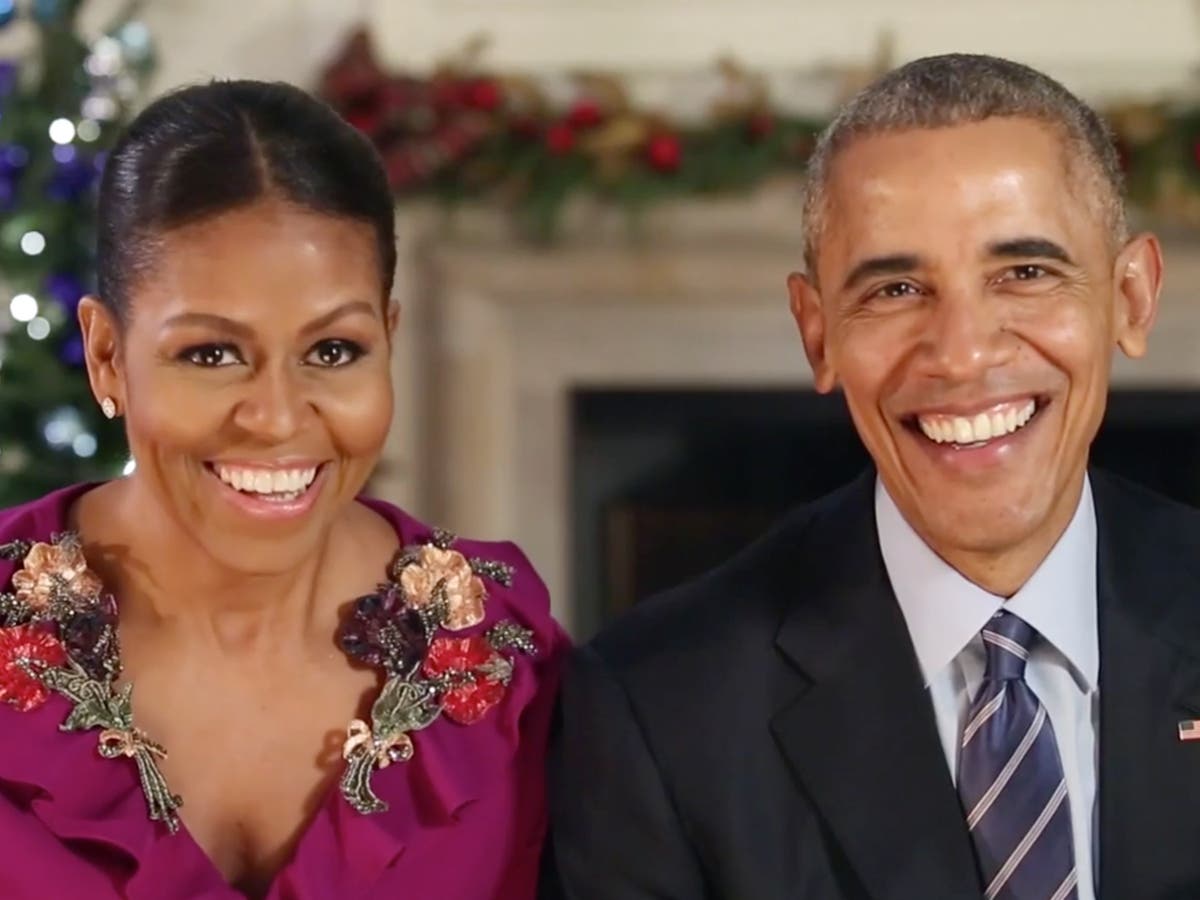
(944, 611)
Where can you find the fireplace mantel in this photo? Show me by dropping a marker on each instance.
(498, 333)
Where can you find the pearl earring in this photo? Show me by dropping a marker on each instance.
(108, 407)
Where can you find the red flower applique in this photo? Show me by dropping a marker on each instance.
(478, 676)
(32, 644)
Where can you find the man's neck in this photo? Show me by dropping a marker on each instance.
(1005, 571)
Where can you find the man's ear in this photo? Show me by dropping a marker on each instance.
(810, 319)
(1137, 278)
(102, 351)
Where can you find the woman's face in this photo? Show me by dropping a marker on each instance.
(253, 374)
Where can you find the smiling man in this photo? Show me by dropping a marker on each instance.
(969, 673)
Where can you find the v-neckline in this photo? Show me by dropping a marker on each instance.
(330, 793)
(82, 798)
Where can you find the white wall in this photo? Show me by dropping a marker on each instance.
(1097, 46)
(1102, 42)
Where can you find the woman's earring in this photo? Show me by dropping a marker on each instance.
(108, 407)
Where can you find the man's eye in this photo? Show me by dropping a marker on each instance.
(334, 353)
(1028, 272)
(212, 356)
(896, 289)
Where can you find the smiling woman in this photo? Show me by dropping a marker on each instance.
(243, 330)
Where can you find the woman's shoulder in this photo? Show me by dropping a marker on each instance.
(35, 520)
(41, 517)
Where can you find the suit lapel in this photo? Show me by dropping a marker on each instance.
(858, 730)
(1149, 780)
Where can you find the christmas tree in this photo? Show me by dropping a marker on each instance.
(61, 106)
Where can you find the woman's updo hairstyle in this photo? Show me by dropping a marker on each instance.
(208, 149)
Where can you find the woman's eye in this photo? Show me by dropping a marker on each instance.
(334, 353)
(212, 356)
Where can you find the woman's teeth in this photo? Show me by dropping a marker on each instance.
(272, 484)
(985, 426)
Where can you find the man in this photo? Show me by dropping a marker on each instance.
(970, 673)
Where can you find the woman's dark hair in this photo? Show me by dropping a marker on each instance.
(211, 148)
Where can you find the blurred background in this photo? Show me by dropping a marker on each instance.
(598, 208)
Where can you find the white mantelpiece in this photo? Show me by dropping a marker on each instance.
(497, 334)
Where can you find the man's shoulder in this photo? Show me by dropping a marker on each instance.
(739, 603)
(1132, 513)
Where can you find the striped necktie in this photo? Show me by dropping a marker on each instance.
(1010, 778)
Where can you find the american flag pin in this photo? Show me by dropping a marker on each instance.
(1189, 730)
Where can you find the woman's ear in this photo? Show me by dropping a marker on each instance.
(102, 352)
(393, 318)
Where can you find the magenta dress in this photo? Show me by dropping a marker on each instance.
(466, 813)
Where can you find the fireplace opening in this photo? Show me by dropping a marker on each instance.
(668, 483)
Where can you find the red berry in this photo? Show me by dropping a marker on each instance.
(760, 125)
(483, 94)
(585, 114)
(560, 139)
(664, 152)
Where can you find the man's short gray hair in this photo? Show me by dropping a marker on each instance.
(958, 89)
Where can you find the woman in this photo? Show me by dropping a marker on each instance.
(329, 699)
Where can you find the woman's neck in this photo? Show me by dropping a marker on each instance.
(165, 580)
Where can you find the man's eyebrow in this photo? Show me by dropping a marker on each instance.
(1025, 247)
(896, 264)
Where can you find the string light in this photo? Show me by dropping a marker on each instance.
(38, 329)
(23, 307)
(33, 243)
(89, 130)
(84, 445)
(63, 427)
(62, 131)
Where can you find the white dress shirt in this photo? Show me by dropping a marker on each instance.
(945, 613)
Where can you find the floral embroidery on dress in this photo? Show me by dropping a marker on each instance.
(58, 634)
(433, 588)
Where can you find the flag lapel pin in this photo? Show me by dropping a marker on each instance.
(1189, 730)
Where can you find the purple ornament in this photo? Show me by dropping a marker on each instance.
(66, 290)
(8, 193)
(71, 351)
(9, 74)
(70, 180)
(13, 160)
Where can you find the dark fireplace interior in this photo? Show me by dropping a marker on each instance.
(667, 483)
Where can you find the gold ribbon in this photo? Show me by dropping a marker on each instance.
(114, 742)
(358, 734)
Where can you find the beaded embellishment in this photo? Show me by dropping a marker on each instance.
(58, 634)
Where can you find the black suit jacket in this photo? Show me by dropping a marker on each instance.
(764, 732)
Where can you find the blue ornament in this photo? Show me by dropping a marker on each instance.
(8, 194)
(8, 11)
(47, 11)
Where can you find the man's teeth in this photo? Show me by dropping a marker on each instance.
(978, 428)
(276, 483)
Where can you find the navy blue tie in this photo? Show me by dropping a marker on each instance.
(1010, 778)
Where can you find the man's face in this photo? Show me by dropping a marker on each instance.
(967, 297)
